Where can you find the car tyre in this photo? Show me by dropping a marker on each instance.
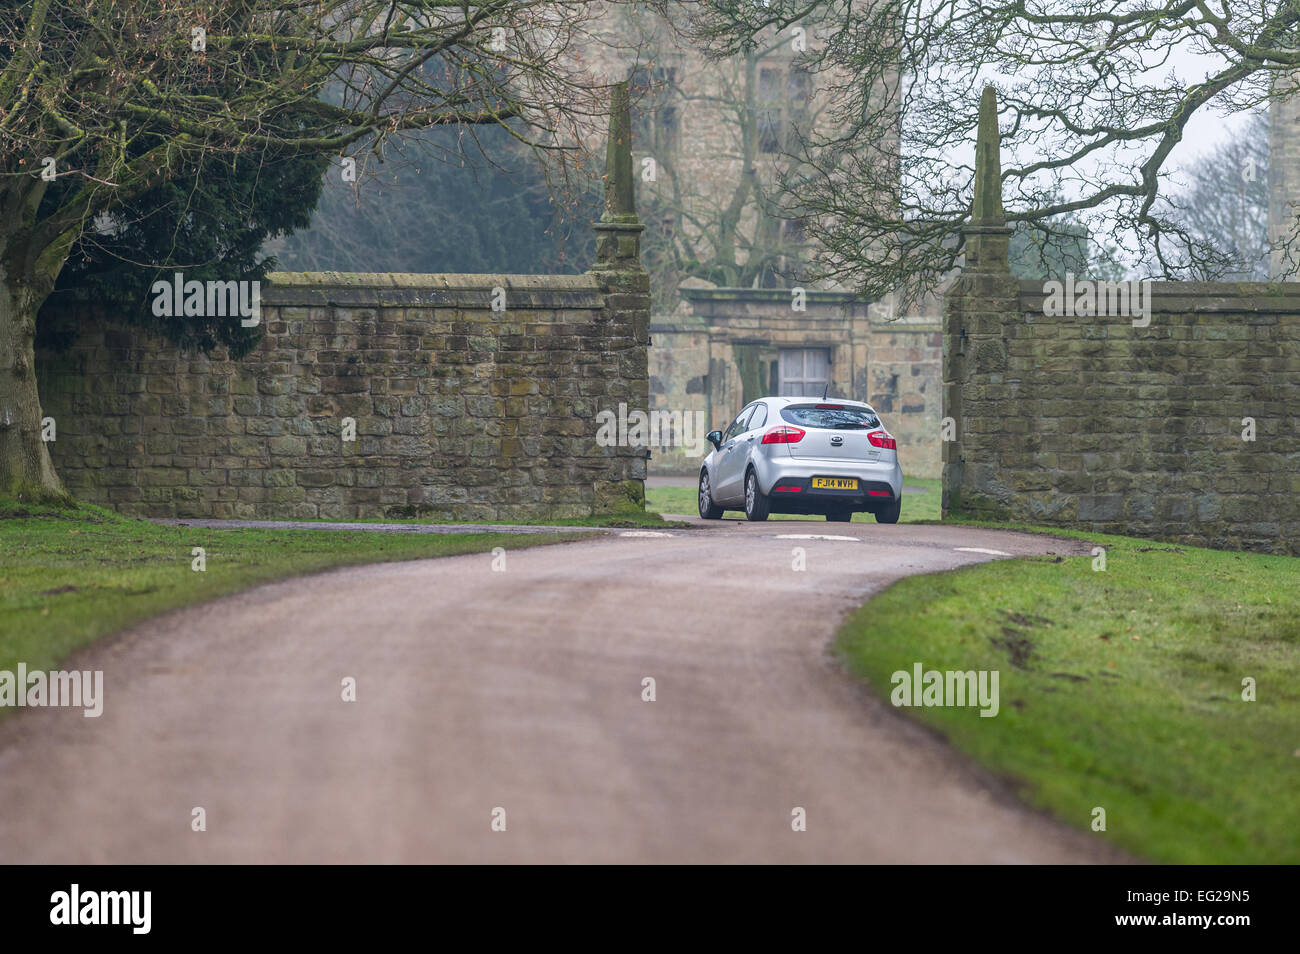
(757, 504)
(890, 513)
(839, 516)
(708, 509)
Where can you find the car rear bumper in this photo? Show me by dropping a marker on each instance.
(779, 477)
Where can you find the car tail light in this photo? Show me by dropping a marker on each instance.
(881, 439)
(788, 489)
(830, 407)
(783, 435)
(880, 493)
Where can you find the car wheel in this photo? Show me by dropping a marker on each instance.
(708, 509)
(890, 513)
(839, 516)
(757, 505)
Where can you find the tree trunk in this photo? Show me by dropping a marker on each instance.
(26, 471)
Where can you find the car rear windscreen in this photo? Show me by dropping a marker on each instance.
(829, 416)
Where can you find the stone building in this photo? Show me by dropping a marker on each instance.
(1283, 184)
(724, 248)
(729, 346)
(711, 139)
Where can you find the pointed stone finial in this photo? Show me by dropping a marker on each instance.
(618, 233)
(620, 204)
(987, 236)
(987, 207)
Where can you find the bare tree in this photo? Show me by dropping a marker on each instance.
(508, 217)
(717, 140)
(1090, 113)
(116, 95)
(1225, 205)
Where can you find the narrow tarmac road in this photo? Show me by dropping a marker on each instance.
(521, 690)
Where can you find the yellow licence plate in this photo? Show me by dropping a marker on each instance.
(835, 483)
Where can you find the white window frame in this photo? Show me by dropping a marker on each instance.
(804, 384)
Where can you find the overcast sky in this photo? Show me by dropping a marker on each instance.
(1206, 129)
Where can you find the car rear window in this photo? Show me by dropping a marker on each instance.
(829, 415)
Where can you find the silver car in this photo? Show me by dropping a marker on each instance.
(803, 455)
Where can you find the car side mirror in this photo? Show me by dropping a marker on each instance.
(714, 438)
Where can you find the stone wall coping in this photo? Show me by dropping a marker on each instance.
(668, 324)
(906, 328)
(814, 295)
(408, 289)
(1281, 297)
(697, 324)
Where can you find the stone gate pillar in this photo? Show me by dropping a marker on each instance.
(976, 308)
(627, 303)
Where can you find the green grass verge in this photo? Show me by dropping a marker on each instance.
(1120, 689)
(70, 576)
(917, 507)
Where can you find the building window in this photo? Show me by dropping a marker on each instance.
(769, 110)
(799, 90)
(656, 121)
(804, 372)
(782, 107)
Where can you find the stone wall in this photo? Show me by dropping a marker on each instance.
(679, 384)
(1093, 422)
(904, 371)
(1163, 410)
(461, 412)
